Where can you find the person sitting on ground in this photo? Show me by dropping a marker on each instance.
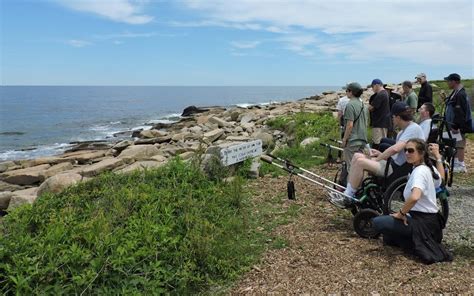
(418, 226)
(426, 111)
(425, 95)
(409, 96)
(403, 119)
(379, 112)
(355, 122)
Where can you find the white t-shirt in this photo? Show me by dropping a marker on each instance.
(412, 131)
(342, 103)
(422, 179)
(426, 127)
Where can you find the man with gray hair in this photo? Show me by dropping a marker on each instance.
(425, 95)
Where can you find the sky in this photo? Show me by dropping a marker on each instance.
(238, 42)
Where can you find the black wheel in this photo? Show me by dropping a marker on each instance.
(363, 225)
(393, 199)
(443, 204)
(290, 187)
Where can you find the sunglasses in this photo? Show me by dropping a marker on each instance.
(409, 150)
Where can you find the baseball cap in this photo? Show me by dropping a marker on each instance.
(399, 107)
(377, 81)
(420, 75)
(453, 77)
(354, 87)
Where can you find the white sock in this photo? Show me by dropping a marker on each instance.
(349, 190)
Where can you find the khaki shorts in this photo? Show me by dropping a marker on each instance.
(381, 171)
(378, 133)
(349, 154)
(461, 144)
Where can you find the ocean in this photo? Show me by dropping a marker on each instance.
(40, 121)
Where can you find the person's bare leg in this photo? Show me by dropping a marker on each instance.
(359, 165)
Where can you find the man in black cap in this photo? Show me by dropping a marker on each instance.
(402, 117)
(425, 95)
(379, 112)
(458, 115)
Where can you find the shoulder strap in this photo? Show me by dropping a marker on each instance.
(361, 110)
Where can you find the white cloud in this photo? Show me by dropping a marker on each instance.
(245, 44)
(430, 32)
(126, 11)
(78, 43)
(126, 35)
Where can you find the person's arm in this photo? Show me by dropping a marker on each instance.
(371, 108)
(394, 149)
(347, 132)
(414, 197)
(434, 150)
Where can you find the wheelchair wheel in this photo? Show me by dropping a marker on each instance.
(393, 196)
(363, 225)
(443, 205)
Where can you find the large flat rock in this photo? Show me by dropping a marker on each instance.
(23, 197)
(83, 157)
(56, 169)
(141, 165)
(26, 176)
(58, 183)
(139, 152)
(102, 166)
(5, 199)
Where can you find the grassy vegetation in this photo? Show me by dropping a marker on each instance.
(300, 126)
(165, 230)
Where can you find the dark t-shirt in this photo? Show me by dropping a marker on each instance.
(380, 116)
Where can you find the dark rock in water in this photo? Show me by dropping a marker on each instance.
(191, 110)
(161, 125)
(28, 149)
(12, 133)
(123, 134)
(90, 145)
(136, 133)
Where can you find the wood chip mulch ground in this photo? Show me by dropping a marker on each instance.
(323, 255)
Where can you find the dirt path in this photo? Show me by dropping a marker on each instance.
(324, 255)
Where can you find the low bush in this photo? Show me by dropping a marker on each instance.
(159, 231)
(301, 126)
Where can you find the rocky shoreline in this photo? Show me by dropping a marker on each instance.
(199, 131)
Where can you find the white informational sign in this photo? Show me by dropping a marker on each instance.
(240, 152)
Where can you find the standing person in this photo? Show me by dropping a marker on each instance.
(418, 226)
(425, 95)
(340, 107)
(458, 116)
(426, 111)
(409, 96)
(379, 112)
(355, 122)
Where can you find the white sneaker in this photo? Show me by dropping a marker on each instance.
(339, 200)
(459, 168)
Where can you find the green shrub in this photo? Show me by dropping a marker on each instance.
(301, 126)
(158, 231)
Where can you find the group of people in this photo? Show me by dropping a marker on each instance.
(399, 147)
